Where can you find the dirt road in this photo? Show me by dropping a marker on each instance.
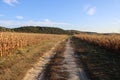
(76, 73)
(74, 59)
(63, 66)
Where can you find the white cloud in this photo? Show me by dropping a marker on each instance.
(10, 2)
(91, 11)
(46, 20)
(19, 17)
(11, 23)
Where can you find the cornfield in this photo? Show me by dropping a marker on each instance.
(10, 41)
(109, 42)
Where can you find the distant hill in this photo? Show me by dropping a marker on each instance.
(38, 29)
(46, 30)
(3, 29)
(79, 32)
(73, 31)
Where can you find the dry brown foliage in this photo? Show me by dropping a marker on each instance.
(110, 42)
(10, 40)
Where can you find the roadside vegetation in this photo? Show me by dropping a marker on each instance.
(98, 60)
(109, 42)
(11, 41)
(19, 52)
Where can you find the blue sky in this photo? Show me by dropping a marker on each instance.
(84, 15)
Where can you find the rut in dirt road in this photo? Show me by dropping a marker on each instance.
(63, 66)
(76, 73)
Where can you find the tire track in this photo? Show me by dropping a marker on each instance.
(63, 66)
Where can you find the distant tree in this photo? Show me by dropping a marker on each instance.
(38, 29)
(3, 29)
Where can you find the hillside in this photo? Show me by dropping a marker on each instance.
(38, 29)
(3, 29)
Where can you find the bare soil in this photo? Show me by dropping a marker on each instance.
(63, 66)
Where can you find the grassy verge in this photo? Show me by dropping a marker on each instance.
(99, 63)
(15, 66)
